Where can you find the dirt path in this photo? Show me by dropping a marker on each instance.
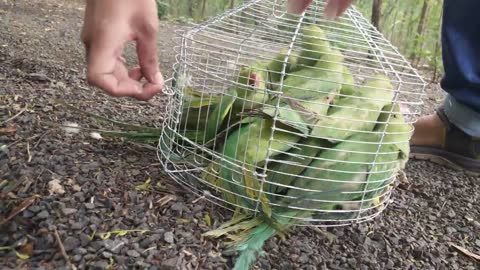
(41, 60)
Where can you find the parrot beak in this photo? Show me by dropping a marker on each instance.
(254, 80)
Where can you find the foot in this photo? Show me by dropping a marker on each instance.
(437, 140)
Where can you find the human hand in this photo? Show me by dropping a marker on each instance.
(108, 26)
(333, 8)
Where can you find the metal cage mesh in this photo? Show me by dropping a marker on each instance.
(254, 136)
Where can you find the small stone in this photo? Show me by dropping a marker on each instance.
(43, 215)
(95, 220)
(34, 209)
(78, 226)
(476, 224)
(76, 188)
(133, 253)
(28, 214)
(89, 206)
(390, 264)
(84, 239)
(121, 260)
(69, 211)
(100, 265)
(107, 255)
(113, 246)
(97, 245)
(177, 207)
(477, 242)
(169, 264)
(303, 259)
(71, 243)
(80, 251)
(168, 237)
(451, 230)
(77, 258)
(451, 213)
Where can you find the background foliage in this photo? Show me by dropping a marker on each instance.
(414, 26)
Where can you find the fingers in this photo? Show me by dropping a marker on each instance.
(297, 6)
(335, 8)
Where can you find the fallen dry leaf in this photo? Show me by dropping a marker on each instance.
(8, 130)
(55, 187)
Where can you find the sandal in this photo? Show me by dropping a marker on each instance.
(459, 151)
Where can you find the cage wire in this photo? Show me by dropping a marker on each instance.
(263, 113)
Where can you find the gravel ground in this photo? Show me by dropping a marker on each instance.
(73, 188)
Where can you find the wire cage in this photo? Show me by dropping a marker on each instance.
(306, 117)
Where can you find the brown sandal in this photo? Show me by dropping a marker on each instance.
(460, 151)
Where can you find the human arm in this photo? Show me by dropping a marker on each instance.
(108, 26)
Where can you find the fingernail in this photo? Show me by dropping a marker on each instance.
(331, 10)
(158, 79)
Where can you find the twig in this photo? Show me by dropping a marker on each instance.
(466, 252)
(15, 116)
(28, 153)
(41, 138)
(62, 249)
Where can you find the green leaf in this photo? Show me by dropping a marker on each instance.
(18, 254)
(207, 220)
(107, 235)
(144, 186)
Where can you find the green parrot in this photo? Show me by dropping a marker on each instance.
(356, 113)
(314, 45)
(311, 91)
(340, 174)
(275, 66)
(251, 89)
(248, 147)
(335, 180)
(348, 86)
(286, 168)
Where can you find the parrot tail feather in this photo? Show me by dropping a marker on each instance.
(252, 247)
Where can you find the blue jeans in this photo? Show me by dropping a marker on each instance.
(461, 57)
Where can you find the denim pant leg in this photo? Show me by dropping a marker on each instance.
(461, 57)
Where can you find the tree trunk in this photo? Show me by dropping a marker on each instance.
(376, 13)
(204, 7)
(232, 4)
(190, 8)
(420, 30)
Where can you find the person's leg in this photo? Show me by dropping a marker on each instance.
(452, 135)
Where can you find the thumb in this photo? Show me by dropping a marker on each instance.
(147, 56)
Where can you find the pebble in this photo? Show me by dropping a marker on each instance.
(84, 239)
(77, 258)
(477, 242)
(100, 265)
(28, 214)
(168, 237)
(89, 206)
(43, 214)
(451, 213)
(34, 209)
(69, 211)
(107, 255)
(71, 243)
(169, 264)
(451, 230)
(113, 246)
(78, 226)
(133, 253)
(80, 251)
